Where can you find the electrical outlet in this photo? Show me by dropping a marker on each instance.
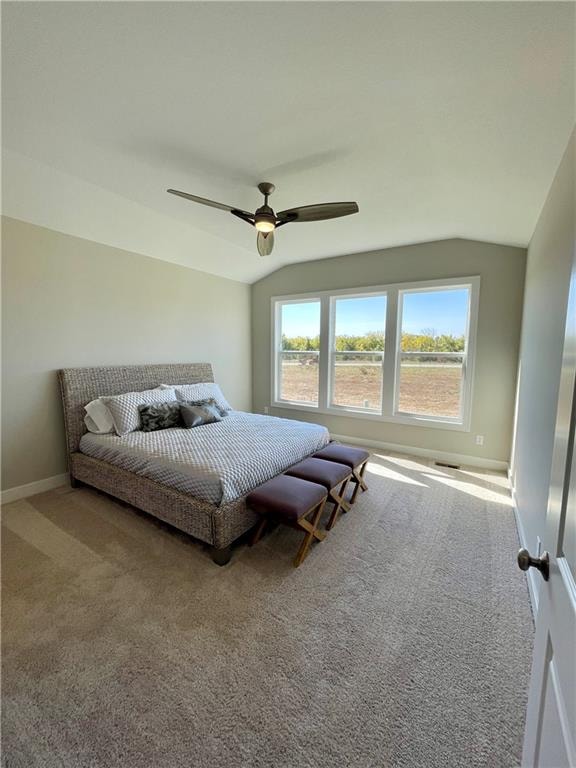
(266, 410)
(479, 439)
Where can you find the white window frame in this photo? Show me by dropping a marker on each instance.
(391, 357)
(348, 409)
(277, 350)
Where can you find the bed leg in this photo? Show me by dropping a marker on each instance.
(74, 483)
(221, 556)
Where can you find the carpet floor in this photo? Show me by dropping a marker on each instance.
(403, 640)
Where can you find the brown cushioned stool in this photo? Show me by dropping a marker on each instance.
(290, 500)
(333, 476)
(355, 458)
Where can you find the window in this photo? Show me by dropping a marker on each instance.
(358, 352)
(396, 353)
(298, 332)
(432, 352)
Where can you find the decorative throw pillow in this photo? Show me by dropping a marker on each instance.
(210, 401)
(196, 415)
(161, 416)
(124, 408)
(204, 391)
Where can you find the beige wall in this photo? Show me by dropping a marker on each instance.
(73, 302)
(501, 269)
(546, 296)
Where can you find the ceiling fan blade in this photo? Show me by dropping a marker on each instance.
(317, 212)
(205, 201)
(265, 243)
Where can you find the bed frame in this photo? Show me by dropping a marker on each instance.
(217, 526)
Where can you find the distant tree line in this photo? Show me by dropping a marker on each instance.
(422, 342)
(373, 341)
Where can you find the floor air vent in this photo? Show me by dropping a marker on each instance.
(444, 464)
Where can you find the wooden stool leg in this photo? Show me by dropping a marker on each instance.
(344, 505)
(312, 532)
(362, 471)
(258, 531)
(339, 504)
(358, 479)
(356, 489)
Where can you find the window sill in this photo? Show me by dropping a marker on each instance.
(425, 422)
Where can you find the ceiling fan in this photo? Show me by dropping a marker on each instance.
(266, 221)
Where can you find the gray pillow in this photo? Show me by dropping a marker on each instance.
(196, 415)
(160, 416)
(208, 401)
(206, 390)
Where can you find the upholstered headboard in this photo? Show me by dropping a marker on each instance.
(81, 385)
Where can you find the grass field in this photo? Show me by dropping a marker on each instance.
(426, 389)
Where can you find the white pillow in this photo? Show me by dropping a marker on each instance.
(124, 408)
(98, 418)
(204, 391)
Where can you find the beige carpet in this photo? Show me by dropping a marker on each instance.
(403, 640)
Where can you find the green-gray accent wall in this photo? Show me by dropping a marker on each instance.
(501, 269)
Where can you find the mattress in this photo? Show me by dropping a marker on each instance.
(215, 462)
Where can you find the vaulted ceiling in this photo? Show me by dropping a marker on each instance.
(440, 119)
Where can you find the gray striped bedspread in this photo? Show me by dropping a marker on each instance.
(215, 462)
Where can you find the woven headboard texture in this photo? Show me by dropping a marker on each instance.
(81, 385)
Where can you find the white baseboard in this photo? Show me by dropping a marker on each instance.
(30, 489)
(531, 572)
(427, 453)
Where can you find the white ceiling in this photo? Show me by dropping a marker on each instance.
(440, 119)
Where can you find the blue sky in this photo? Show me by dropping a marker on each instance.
(355, 317)
(444, 311)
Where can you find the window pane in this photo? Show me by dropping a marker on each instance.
(357, 381)
(299, 377)
(360, 323)
(300, 326)
(431, 386)
(300, 342)
(433, 321)
(359, 328)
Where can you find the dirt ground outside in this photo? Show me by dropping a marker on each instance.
(424, 389)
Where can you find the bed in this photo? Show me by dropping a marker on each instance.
(195, 479)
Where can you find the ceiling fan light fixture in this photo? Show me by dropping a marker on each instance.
(265, 225)
(265, 219)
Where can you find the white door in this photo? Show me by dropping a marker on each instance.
(550, 737)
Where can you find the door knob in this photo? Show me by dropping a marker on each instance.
(542, 563)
